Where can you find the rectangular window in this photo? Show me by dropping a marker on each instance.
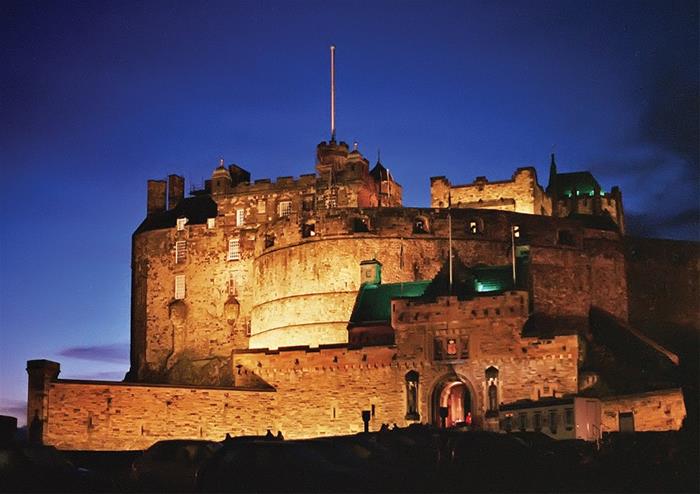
(284, 208)
(262, 207)
(179, 286)
(537, 421)
(569, 418)
(181, 222)
(240, 217)
(234, 249)
(211, 223)
(553, 421)
(522, 421)
(180, 251)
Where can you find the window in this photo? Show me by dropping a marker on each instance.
(284, 209)
(475, 227)
(360, 225)
(262, 207)
(247, 328)
(522, 421)
(240, 217)
(211, 223)
(180, 251)
(553, 421)
(420, 225)
(412, 379)
(179, 286)
(181, 222)
(569, 418)
(308, 230)
(234, 249)
(537, 421)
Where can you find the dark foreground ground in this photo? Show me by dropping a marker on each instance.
(417, 459)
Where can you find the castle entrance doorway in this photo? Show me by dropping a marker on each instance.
(452, 404)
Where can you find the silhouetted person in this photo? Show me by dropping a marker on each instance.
(269, 435)
(280, 437)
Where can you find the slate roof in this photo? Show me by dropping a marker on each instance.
(379, 173)
(567, 184)
(195, 209)
(373, 303)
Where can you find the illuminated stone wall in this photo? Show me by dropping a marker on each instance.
(528, 367)
(653, 411)
(521, 194)
(117, 416)
(301, 291)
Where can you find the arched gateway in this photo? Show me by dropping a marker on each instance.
(453, 402)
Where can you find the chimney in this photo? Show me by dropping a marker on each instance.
(176, 190)
(156, 196)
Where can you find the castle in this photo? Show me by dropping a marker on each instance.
(309, 305)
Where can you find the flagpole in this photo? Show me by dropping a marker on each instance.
(449, 227)
(512, 251)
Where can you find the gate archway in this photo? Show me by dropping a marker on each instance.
(453, 402)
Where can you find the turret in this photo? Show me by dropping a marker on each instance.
(331, 157)
(220, 180)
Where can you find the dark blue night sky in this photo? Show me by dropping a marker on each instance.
(97, 97)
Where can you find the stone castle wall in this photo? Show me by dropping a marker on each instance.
(300, 291)
(653, 411)
(521, 194)
(664, 279)
(117, 416)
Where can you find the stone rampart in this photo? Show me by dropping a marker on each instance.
(653, 411)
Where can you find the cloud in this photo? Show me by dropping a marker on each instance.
(113, 352)
(682, 225)
(671, 117)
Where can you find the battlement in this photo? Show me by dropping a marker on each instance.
(304, 358)
(513, 304)
(478, 225)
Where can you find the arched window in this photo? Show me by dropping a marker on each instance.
(412, 379)
(420, 225)
(492, 390)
